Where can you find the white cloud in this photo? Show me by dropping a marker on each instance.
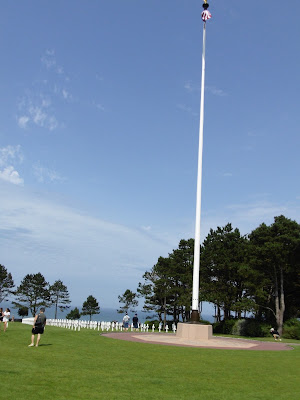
(187, 109)
(9, 174)
(90, 255)
(23, 121)
(191, 87)
(100, 107)
(45, 174)
(37, 109)
(146, 228)
(227, 174)
(8, 155)
(215, 91)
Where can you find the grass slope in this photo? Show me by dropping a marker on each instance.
(84, 365)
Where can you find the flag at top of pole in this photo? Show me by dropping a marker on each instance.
(206, 15)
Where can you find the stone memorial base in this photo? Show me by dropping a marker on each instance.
(194, 331)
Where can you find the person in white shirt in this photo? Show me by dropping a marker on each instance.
(126, 319)
(6, 316)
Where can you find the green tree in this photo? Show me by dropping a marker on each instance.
(275, 258)
(6, 283)
(33, 293)
(167, 287)
(23, 311)
(128, 298)
(59, 296)
(90, 307)
(224, 271)
(73, 314)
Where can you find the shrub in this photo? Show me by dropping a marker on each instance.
(250, 327)
(224, 326)
(291, 329)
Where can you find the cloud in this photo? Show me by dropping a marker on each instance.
(23, 121)
(45, 174)
(9, 174)
(227, 174)
(100, 107)
(49, 61)
(187, 109)
(215, 91)
(8, 155)
(190, 87)
(90, 255)
(11, 153)
(37, 110)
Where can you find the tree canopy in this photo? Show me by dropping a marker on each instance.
(59, 296)
(6, 283)
(128, 298)
(257, 273)
(90, 307)
(33, 293)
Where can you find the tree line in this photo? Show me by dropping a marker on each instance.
(35, 292)
(258, 273)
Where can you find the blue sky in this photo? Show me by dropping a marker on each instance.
(99, 123)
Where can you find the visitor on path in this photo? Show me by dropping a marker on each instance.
(135, 322)
(6, 315)
(275, 334)
(39, 324)
(126, 319)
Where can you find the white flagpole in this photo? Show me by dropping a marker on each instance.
(195, 317)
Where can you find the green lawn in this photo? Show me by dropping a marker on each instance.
(84, 365)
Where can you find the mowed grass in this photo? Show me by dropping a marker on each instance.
(84, 365)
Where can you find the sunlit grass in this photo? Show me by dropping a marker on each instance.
(84, 365)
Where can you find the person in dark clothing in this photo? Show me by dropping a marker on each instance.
(275, 334)
(135, 322)
(39, 324)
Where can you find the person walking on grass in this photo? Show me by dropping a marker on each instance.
(6, 315)
(39, 324)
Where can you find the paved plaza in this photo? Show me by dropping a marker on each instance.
(217, 342)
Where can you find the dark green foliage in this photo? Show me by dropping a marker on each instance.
(23, 311)
(6, 283)
(274, 257)
(151, 322)
(291, 329)
(90, 307)
(224, 326)
(224, 272)
(33, 293)
(73, 314)
(167, 287)
(59, 296)
(257, 274)
(129, 301)
(250, 328)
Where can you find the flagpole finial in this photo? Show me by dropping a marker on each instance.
(205, 5)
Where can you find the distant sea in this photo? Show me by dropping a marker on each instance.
(106, 314)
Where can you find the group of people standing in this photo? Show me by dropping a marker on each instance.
(4, 317)
(135, 321)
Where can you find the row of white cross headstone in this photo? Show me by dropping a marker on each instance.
(104, 326)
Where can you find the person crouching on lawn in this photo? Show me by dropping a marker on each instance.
(39, 324)
(275, 334)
